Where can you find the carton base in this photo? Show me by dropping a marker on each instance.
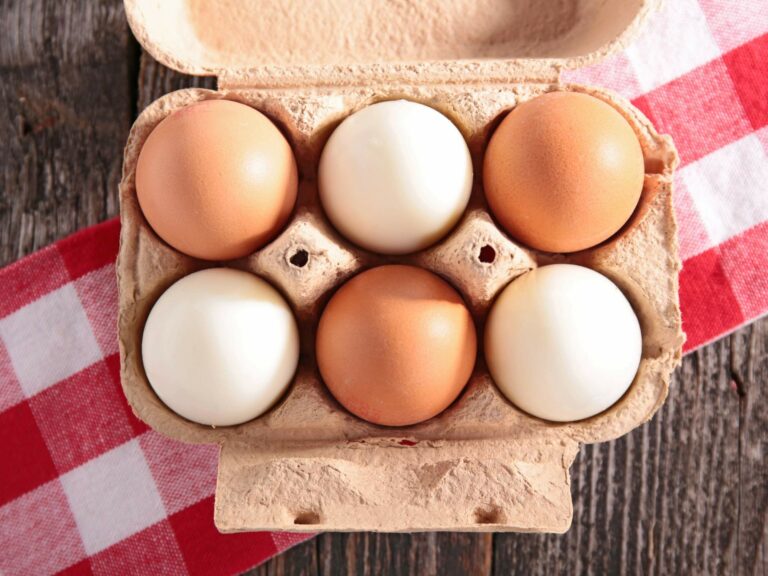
(428, 486)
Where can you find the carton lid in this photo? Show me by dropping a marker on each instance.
(335, 42)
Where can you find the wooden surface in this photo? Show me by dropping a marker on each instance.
(685, 494)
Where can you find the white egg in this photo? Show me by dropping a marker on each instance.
(562, 343)
(220, 347)
(395, 177)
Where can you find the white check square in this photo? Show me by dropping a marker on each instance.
(49, 340)
(113, 497)
(663, 53)
(730, 188)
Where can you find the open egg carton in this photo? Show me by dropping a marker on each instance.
(482, 464)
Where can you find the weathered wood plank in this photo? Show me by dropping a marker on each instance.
(431, 553)
(749, 367)
(66, 104)
(302, 560)
(369, 554)
(156, 80)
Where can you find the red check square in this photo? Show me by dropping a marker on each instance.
(113, 365)
(26, 463)
(81, 417)
(745, 260)
(707, 301)
(82, 568)
(26, 281)
(748, 67)
(207, 552)
(90, 249)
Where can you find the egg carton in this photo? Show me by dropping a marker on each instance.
(482, 464)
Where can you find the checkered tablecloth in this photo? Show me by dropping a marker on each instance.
(87, 488)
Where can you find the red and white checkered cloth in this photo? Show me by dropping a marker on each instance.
(87, 488)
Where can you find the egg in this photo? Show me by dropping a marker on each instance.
(216, 180)
(395, 177)
(562, 343)
(396, 345)
(220, 347)
(563, 172)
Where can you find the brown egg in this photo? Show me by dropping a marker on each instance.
(563, 172)
(396, 345)
(216, 180)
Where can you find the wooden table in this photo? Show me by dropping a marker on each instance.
(685, 494)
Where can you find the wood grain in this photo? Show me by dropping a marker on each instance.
(685, 494)
(66, 104)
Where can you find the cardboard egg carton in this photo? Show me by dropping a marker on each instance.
(482, 464)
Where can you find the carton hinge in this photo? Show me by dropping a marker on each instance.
(470, 73)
